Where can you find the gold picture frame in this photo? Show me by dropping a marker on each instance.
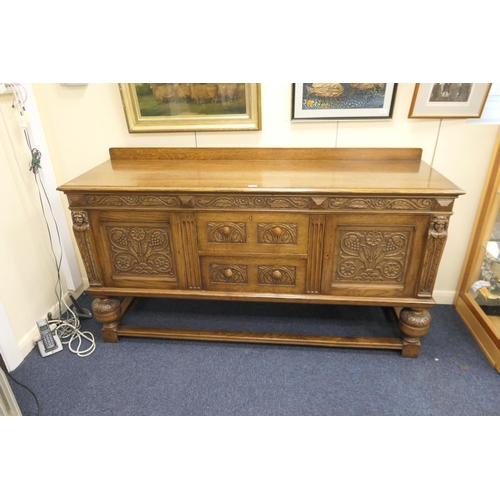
(191, 107)
(449, 100)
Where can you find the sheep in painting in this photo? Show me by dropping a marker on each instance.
(163, 93)
(183, 92)
(325, 90)
(201, 92)
(228, 91)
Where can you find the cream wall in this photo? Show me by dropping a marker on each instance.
(82, 123)
(27, 266)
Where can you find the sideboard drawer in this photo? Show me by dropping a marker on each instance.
(253, 274)
(233, 232)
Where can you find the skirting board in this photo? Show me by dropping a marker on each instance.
(445, 298)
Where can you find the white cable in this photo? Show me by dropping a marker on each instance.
(18, 101)
(64, 328)
(70, 328)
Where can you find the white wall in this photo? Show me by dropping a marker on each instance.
(27, 266)
(82, 123)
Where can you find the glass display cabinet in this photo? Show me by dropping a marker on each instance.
(478, 297)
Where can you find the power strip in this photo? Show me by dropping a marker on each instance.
(5, 88)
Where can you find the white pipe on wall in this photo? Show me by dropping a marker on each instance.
(69, 265)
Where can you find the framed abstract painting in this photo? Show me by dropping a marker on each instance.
(342, 101)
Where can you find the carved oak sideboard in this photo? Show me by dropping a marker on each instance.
(331, 226)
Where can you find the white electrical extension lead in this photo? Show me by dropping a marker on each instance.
(71, 329)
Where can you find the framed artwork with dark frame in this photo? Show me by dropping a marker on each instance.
(342, 101)
(449, 100)
(191, 107)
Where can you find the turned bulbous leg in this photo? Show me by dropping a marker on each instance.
(108, 312)
(413, 323)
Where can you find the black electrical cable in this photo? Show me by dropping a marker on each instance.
(38, 408)
(66, 327)
(35, 166)
(58, 263)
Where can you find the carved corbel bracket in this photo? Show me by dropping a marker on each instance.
(81, 225)
(438, 228)
(437, 234)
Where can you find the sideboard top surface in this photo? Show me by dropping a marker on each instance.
(271, 170)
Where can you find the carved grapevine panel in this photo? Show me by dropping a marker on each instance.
(141, 250)
(372, 256)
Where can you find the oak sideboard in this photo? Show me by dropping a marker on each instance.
(350, 226)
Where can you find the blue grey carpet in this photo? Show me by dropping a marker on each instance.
(172, 377)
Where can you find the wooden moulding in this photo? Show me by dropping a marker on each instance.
(262, 338)
(111, 313)
(308, 298)
(340, 154)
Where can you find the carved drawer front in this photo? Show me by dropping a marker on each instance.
(254, 274)
(234, 232)
(374, 257)
(137, 249)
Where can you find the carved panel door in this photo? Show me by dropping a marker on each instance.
(137, 249)
(373, 255)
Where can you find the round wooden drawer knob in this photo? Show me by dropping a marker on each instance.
(228, 273)
(226, 230)
(277, 274)
(277, 231)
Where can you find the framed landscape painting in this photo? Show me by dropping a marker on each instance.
(342, 101)
(191, 107)
(449, 100)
